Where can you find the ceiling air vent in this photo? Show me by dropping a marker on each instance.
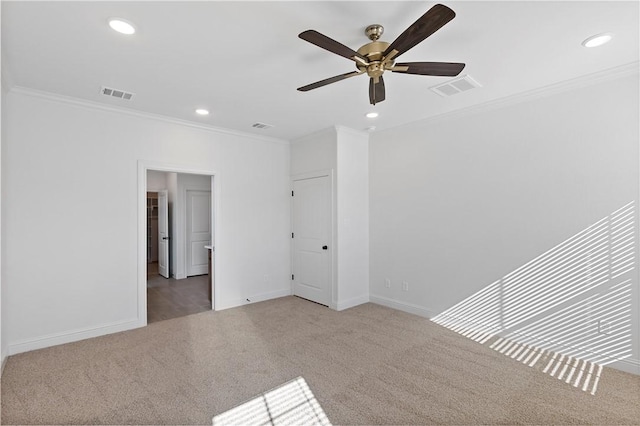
(116, 93)
(457, 85)
(261, 126)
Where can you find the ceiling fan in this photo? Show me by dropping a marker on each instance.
(376, 57)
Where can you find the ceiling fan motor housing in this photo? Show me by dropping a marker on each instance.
(373, 52)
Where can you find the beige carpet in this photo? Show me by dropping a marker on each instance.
(365, 365)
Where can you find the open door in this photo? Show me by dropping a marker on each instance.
(163, 233)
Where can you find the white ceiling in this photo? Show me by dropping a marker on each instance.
(244, 61)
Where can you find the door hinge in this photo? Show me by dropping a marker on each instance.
(292, 235)
(291, 277)
(292, 193)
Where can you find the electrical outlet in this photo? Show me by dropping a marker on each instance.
(604, 327)
(405, 286)
(387, 283)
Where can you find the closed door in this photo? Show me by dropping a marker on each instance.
(163, 233)
(311, 239)
(198, 231)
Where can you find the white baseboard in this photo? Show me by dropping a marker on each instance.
(4, 361)
(73, 336)
(628, 365)
(350, 303)
(401, 306)
(253, 299)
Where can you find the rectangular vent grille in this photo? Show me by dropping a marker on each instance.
(455, 86)
(116, 93)
(261, 126)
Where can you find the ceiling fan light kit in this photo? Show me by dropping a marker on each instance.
(376, 57)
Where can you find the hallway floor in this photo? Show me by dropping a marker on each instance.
(170, 298)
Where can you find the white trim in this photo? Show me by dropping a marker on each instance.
(350, 303)
(311, 175)
(260, 297)
(83, 103)
(610, 74)
(4, 362)
(333, 304)
(313, 135)
(74, 336)
(628, 365)
(401, 306)
(143, 167)
(340, 128)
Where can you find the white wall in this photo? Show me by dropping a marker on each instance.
(353, 217)
(76, 272)
(459, 202)
(3, 94)
(314, 152)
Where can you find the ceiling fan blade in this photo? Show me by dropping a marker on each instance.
(328, 81)
(443, 69)
(427, 24)
(332, 46)
(376, 90)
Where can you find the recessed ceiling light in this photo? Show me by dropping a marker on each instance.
(371, 114)
(122, 26)
(597, 40)
(202, 111)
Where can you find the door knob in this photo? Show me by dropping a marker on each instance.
(165, 238)
(324, 247)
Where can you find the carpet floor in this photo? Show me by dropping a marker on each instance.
(366, 365)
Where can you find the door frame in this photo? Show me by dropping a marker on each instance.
(333, 238)
(143, 167)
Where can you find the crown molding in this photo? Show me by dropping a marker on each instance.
(334, 130)
(587, 80)
(82, 103)
(344, 129)
(326, 130)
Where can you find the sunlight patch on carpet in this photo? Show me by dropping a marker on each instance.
(293, 403)
(580, 373)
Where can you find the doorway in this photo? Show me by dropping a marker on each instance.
(186, 285)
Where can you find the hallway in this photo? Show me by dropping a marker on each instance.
(170, 298)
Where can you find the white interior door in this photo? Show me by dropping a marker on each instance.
(311, 238)
(198, 231)
(163, 233)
